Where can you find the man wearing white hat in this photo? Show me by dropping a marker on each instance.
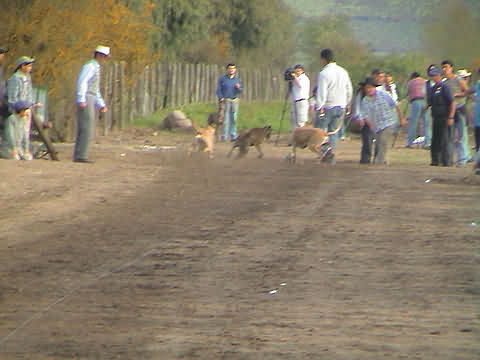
(88, 96)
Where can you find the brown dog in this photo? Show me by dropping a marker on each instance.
(312, 138)
(204, 140)
(216, 119)
(251, 137)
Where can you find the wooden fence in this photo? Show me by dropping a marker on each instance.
(158, 87)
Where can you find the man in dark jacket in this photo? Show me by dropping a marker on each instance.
(442, 102)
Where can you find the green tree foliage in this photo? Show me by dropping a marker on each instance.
(216, 31)
(453, 34)
(335, 32)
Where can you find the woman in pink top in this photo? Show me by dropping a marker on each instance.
(416, 98)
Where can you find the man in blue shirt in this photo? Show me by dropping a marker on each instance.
(228, 91)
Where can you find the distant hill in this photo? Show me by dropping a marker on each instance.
(387, 25)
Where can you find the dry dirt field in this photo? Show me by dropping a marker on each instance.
(147, 254)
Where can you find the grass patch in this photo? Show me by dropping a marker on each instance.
(251, 114)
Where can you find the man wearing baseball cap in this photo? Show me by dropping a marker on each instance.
(20, 87)
(88, 96)
(442, 101)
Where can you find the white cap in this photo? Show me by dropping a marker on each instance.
(105, 50)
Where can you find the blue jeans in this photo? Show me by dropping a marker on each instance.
(416, 114)
(330, 122)
(461, 136)
(230, 120)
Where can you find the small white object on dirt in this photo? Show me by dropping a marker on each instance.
(283, 284)
(273, 292)
(149, 147)
(473, 224)
(155, 133)
(166, 147)
(123, 154)
(428, 181)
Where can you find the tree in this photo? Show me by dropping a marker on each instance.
(61, 35)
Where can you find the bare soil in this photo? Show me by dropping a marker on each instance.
(148, 254)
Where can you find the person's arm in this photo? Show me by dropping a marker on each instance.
(13, 90)
(463, 89)
(322, 88)
(447, 93)
(394, 92)
(220, 95)
(86, 74)
(239, 87)
(401, 117)
(349, 89)
(99, 100)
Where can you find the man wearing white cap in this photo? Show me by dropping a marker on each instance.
(88, 96)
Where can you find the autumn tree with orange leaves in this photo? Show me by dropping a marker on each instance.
(62, 34)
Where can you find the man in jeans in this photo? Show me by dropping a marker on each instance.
(334, 94)
(416, 99)
(228, 91)
(378, 112)
(459, 90)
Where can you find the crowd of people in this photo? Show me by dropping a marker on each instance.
(437, 111)
(438, 116)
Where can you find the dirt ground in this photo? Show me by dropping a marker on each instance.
(148, 254)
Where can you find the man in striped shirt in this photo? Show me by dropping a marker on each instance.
(378, 112)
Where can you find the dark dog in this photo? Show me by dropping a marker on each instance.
(251, 137)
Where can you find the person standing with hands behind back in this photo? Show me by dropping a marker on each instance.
(88, 95)
(228, 91)
(441, 99)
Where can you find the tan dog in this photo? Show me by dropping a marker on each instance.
(313, 138)
(251, 137)
(204, 140)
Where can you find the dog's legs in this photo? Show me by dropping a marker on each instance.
(260, 152)
(242, 151)
(293, 154)
(192, 148)
(315, 148)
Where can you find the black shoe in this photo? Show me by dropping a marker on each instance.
(85, 161)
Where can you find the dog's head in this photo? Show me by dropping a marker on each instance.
(267, 130)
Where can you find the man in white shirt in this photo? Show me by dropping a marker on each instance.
(88, 95)
(300, 94)
(334, 94)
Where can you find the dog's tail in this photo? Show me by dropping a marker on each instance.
(340, 124)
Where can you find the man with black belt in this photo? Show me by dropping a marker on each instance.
(441, 99)
(228, 91)
(88, 95)
(300, 92)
